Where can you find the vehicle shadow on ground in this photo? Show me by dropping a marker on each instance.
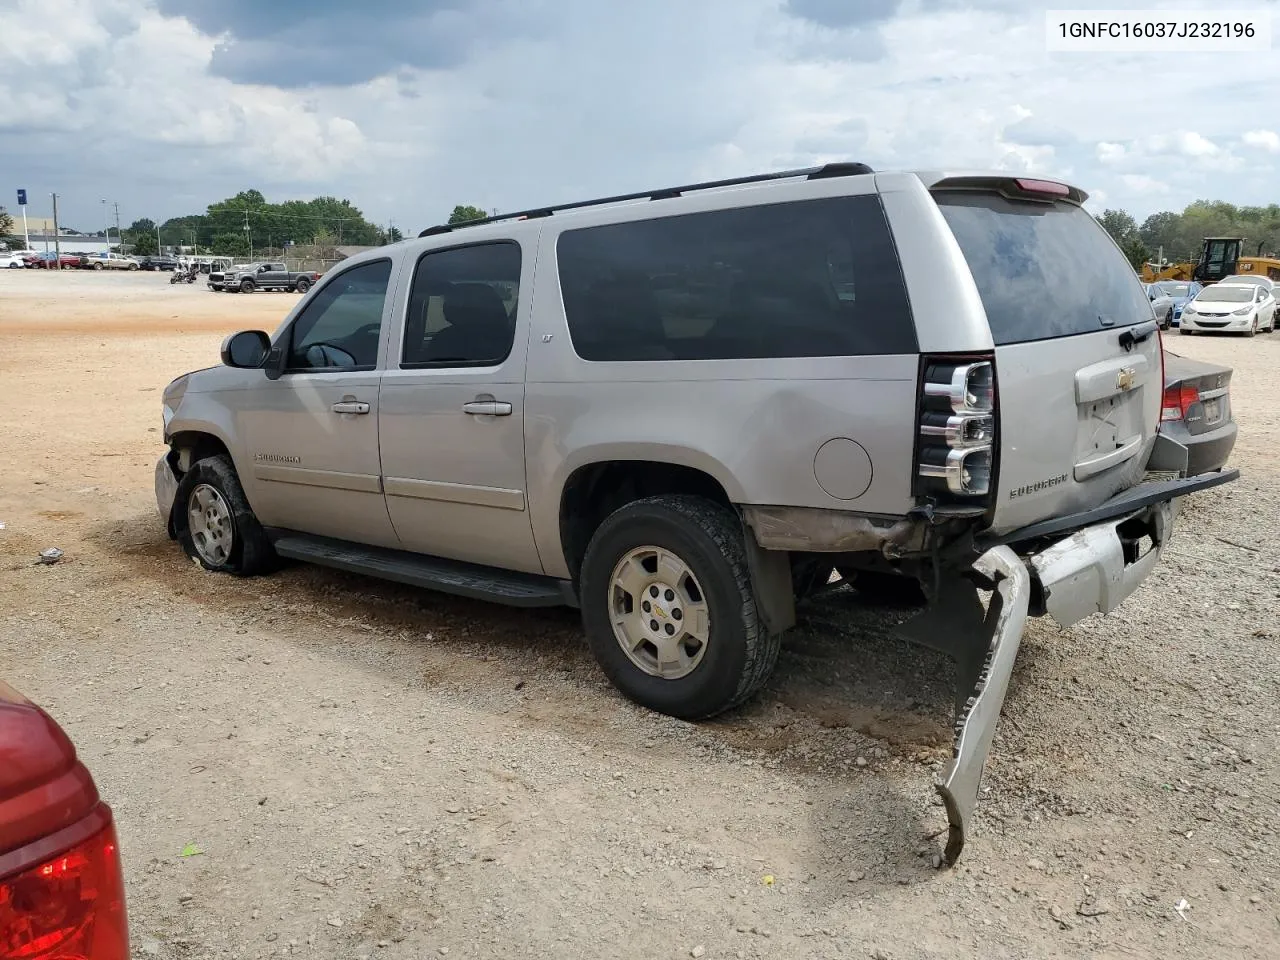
(862, 716)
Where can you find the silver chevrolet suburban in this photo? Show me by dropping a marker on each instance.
(683, 410)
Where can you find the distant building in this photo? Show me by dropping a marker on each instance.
(40, 231)
(71, 242)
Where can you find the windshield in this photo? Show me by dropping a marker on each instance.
(1222, 294)
(1043, 270)
(1174, 289)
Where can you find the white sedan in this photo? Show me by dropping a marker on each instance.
(12, 261)
(1246, 308)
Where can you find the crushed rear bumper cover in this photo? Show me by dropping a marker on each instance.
(1090, 569)
(976, 722)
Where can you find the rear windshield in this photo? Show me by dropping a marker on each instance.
(1221, 294)
(1043, 270)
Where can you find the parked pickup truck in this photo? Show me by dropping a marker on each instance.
(249, 277)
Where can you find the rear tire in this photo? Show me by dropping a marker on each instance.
(303, 285)
(699, 649)
(885, 589)
(227, 537)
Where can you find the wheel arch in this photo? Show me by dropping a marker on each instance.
(596, 488)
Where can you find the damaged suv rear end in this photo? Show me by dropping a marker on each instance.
(1039, 403)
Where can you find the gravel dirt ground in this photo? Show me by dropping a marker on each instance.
(323, 765)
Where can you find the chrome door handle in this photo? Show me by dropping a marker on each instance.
(487, 408)
(350, 406)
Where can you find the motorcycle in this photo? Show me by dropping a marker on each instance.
(180, 275)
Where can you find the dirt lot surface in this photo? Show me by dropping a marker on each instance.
(358, 769)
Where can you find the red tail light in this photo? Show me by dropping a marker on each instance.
(1177, 401)
(68, 907)
(1043, 186)
(956, 442)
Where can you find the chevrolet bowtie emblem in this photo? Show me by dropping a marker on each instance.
(1125, 378)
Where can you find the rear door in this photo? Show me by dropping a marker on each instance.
(1078, 398)
(451, 412)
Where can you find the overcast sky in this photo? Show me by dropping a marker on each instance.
(407, 107)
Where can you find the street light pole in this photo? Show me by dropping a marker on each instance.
(106, 226)
(57, 246)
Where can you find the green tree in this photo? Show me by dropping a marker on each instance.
(1119, 224)
(464, 212)
(141, 237)
(1124, 231)
(8, 231)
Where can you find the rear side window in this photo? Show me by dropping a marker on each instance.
(1043, 270)
(462, 307)
(815, 278)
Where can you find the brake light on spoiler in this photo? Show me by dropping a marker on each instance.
(955, 456)
(1049, 187)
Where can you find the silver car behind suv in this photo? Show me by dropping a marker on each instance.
(682, 409)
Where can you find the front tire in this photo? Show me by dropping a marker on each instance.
(303, 285)
(669, 610)
(246, 286)
(214, 523)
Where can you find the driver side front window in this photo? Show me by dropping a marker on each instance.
(339, 329)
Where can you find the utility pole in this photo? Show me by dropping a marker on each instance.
(158, 250)
(248, 235)
(119, 235)
(57, 246)
(106, 227)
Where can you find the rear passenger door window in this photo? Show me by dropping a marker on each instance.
(340, 328)
(462, 307)
(813, 278)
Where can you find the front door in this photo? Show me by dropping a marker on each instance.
(313, 432)
(451, 411)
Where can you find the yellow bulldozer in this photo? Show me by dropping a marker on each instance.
(1219, 257)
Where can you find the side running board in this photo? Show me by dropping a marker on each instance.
(433, 573)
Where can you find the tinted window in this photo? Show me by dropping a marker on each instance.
(1043, 270)
(462, 308)
(340, 327)
(1222, 293)
(817, 278)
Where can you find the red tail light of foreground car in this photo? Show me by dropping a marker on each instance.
(61, 884)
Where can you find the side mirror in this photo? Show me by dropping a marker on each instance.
(246, 350)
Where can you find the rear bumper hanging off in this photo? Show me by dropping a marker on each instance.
(984, 645)
(976, 724)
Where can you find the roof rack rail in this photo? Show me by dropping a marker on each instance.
(844, 169)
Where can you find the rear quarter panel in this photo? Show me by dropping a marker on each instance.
(756, 426)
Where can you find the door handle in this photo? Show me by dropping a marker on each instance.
(487, 408)
(350, 406)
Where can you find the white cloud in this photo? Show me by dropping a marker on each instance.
(1192, 144)
(599, 98)
(1111, 152)
(1267, 140)
(1141, 183)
